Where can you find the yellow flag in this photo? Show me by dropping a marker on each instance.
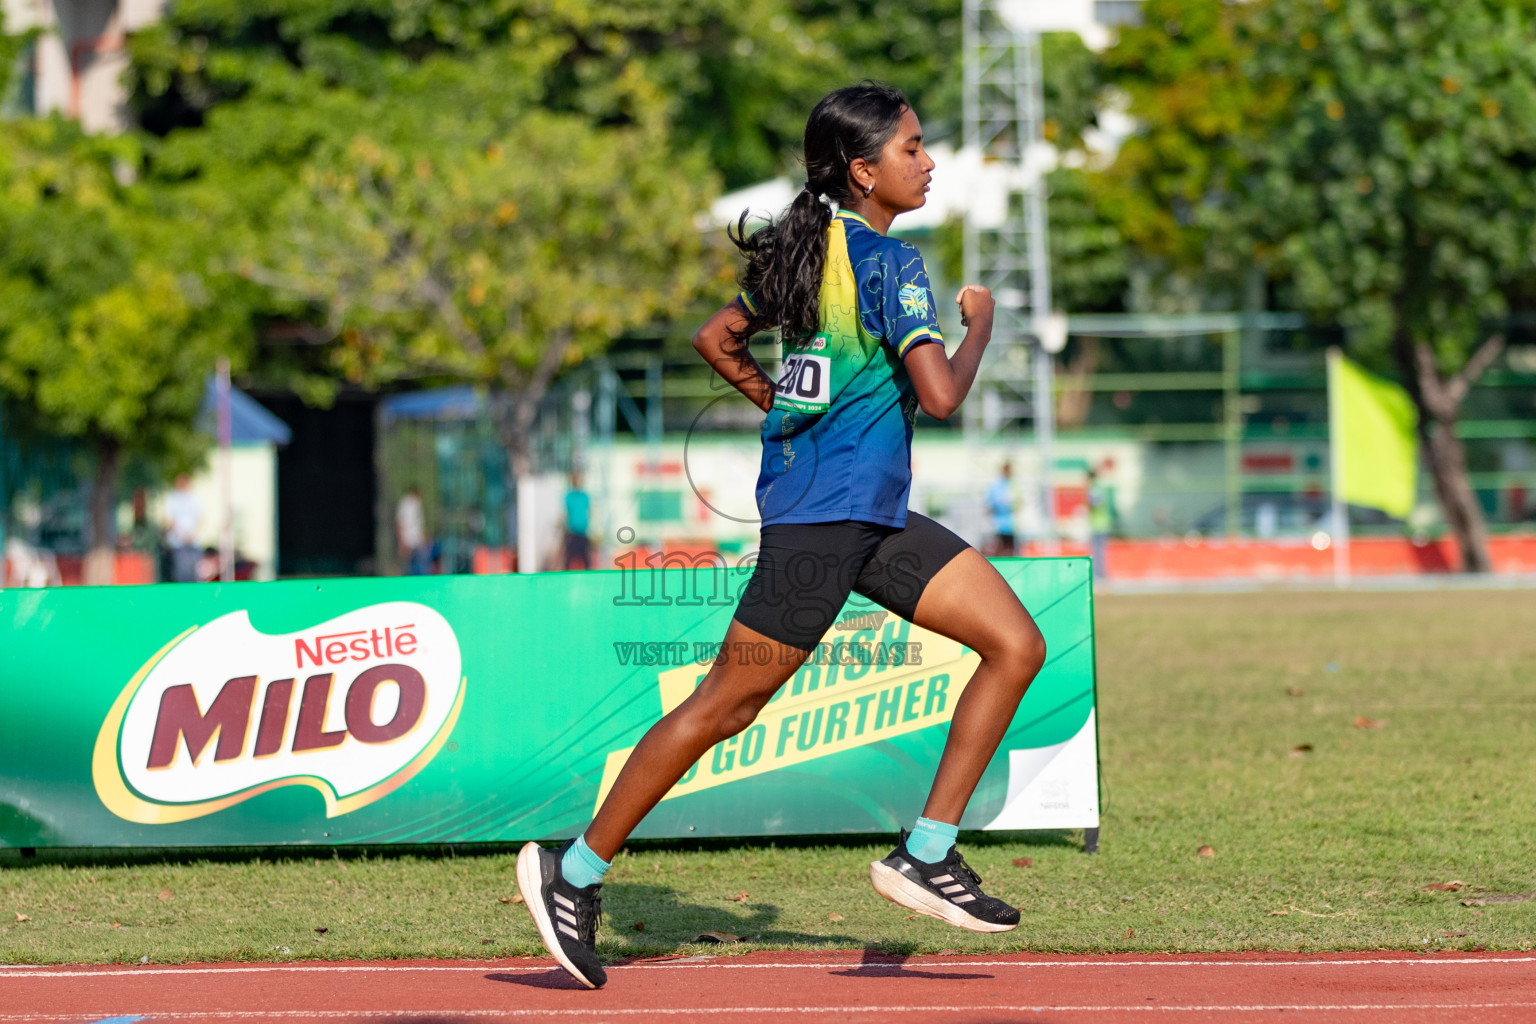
(1373, 438)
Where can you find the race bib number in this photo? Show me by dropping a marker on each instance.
(806, 383)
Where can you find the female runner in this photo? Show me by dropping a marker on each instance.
(862, 352)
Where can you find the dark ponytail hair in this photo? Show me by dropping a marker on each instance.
(785, 259)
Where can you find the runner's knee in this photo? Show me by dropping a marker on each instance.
(739, 718)
(1018, 649)
(722, 716)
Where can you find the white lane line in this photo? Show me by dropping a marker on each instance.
(843, 1009)
(820, 965)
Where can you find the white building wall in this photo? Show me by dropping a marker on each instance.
(254, 499)
(717, 476)
(80, 58)
(1058, 16)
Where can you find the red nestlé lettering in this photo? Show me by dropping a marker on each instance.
(355, 645)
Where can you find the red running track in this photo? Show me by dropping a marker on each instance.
(1362, 988)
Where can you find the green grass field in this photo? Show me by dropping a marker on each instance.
(1228, 721)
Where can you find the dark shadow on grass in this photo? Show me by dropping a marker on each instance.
(880, 964)
(1069, 838)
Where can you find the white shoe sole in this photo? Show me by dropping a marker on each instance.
(530, 884)
(903, 892)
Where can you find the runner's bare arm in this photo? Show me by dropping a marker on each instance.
(942, 381)
(717, 342)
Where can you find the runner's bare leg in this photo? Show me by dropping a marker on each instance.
(969, 601)
(724, 704)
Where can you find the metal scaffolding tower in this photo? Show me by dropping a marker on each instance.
(1003, 119)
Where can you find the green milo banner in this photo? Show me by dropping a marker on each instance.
(490, 709)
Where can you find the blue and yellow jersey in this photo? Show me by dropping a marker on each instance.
(838, 443)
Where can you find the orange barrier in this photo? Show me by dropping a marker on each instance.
(130, 567)
(1292, 559)
(493, 561)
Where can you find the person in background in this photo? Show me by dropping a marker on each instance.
(183, 519)
(1000, 508)
(411, 533)
(578, 520)
(1101, 520)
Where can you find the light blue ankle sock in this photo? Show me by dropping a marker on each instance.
(580, 866)
(930, 841)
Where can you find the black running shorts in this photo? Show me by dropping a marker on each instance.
(805, 572)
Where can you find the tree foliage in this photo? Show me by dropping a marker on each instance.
(453, 197)
(732, 77)
(1400, 193)
(11, 49)
(1378, 156)
(1177, 186)
(107, 331)
(1090, 261)
(489, 191)
(492, 253)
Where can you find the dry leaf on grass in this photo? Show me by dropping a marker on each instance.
(1301, 748)
(1023, 862)
(911, 917)
(166, 894)
(1362, 722)
(321, 930)
(1206, 851)
(1278, 913)
(1445, 886)
(716, 937)
(1130, 933)
(117, 924)
(20, 917)
(948, 952)
(834, 916)
(740, 897)
(514, 898)
(486, 942)
(1453, 935)
(1294, 691)
(638, 926)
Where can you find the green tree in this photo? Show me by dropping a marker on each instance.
(105, 335)
(1089, 256)
(493, 253)
(432, 218)
(1071, 87)
(1378, 156)
(1177, 187)
(484, 192)
(735, 77)
(1398, 187)
(11, 49)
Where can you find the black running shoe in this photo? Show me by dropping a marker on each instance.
(567, 917)
(948, 890)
